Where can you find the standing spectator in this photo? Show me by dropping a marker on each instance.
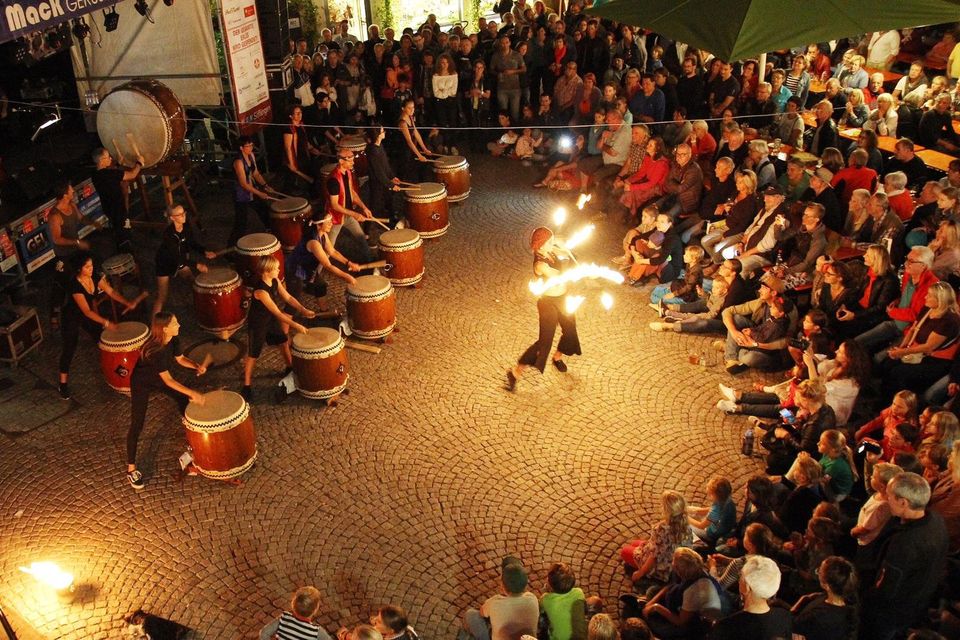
(565, 92)
(507, 64)
(722, 92)
(883, 49)
(648, 104)
(690, 89)
(506, 616)
(910, 555)
(797, 79)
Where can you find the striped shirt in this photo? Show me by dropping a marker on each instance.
(290, 628)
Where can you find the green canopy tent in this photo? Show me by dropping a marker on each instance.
(739, 29)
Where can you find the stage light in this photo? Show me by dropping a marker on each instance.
(169, 3)
(143, 9)
(111, 19)
(80, 29)
(52, 120)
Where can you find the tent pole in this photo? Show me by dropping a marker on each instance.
(763, 66)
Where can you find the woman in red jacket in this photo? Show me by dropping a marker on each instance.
(644, 185)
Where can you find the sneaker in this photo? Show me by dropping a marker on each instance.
(727, 406)
(659, 326)
(736, 368)
(135, 478)
(64, 391)
(728, 393)
(560, 365)
(656, 307)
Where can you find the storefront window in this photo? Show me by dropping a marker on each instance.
(414, 12)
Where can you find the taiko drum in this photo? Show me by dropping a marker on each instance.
(120, 351)
(218, 301)
(428, 210)
(220, 433)
(371, 307)
(252, 247)
(403, 251)
(320, 366)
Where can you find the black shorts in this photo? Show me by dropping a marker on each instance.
(168, 268)
(270, 333)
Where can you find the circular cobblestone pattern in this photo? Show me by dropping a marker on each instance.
(409, 491)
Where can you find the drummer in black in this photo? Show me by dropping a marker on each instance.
(177, 255)
(266, 323)
(316, 250)
(383, 183)
(65, 222)
(80, 311)
(298, 154)
(251, 192)
(108, 180)
(548, 261)
(152, 375)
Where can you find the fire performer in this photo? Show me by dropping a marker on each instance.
(548, 261)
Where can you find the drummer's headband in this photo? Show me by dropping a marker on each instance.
(319, 222)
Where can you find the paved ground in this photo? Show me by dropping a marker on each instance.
(409, 491)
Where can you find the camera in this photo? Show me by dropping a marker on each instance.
(869, 446)
(802, 343)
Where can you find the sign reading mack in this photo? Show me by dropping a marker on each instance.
(21, 17)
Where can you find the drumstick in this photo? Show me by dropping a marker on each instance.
(408, 188)
(327, 314)
(280, 194)
(226, 251)
(136, 301)
(372, 265)
(369, 348)
(381, 219)
(409, 184)
(133, 143)
(207, 360)
(380, 223)
(117, 149)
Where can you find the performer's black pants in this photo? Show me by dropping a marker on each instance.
(552, 313)
(140, 396)
(70, 335)
(241, 212)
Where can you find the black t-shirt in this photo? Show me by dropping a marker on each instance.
(71, 311)
(776, 624)
(146, 373)
(818, 620)
(259, 316)
(175, 249)
(333, 189)
(108, 183)
(722, 89)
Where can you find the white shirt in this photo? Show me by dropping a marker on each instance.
(444, 86)
(884, 45)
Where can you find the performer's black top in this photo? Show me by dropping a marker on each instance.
(146, 374)
(177, 250)
(259, 315)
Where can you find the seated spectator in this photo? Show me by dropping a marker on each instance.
(856, 112)
(825, 133)
(563, 175)
(798, 507)
(830, 614)
(703, 316)
(528, 147)
(886, 228)
(795, 181)
(903, 408)
(852, 75)
(722, 189)
(945, 499)
(686, 608)
(802, 245)
(651, 558)
(564, 605)
(298, 621)
(788, 126)
(758, 245)
(719, 520)
(391, 621)
(733, 144)
(760, 109)
(843, 377)
(952, 179)
(758, 540)
(683, 184)
(868, 141)
(925, 353)
(702, 144)
(878, 291)
(823, 194)
(758, 331)
(614, 145)
(915, 79)
(875, 511)
(509, 615)
(758, 161)
(736, 216)
(681, 290)
(635, 629)
(800, 430)
(905, 159)
(779, 93)
(946, 251)
(806, 552)
(836, 460)
(832, 159)
(858, 227)
(761, 496)
(928, 215)
(503, 145)
(640, 241)
(873, 90)
(884, 118)
(759, 582)
(943, 428)
(856, 175)
(838, 291)
(679, 130)
(637, 153)
(897, 594)
(644, 185)
(666, 259)
(899, 199)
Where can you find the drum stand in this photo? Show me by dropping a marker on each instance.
(222, 350)
(173, 174)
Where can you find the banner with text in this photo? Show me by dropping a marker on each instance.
(248, 72)
(21, 17)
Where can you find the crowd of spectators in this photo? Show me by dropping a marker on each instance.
(760, 218)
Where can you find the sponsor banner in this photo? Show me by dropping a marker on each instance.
(248, 71)
(20, 17)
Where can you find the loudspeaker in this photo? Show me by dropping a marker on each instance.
(35, 181)
(274, 19)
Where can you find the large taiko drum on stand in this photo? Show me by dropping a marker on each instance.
(454, 173)
(252, 247)
(287, 217)
(120, 351)
(371, 307)
(218, 302)
(403, 251)
(144, 116)
(320, 366)
(220, 433)
(428, 210)
(358, 145)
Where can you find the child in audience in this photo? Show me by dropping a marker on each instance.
(934, 458)
(902, 409)
(900, 441)
(564, 605)
(808, 551)
(830, 614)
(719, 520)
(685, 289)
(297, 623)
(875, 511)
